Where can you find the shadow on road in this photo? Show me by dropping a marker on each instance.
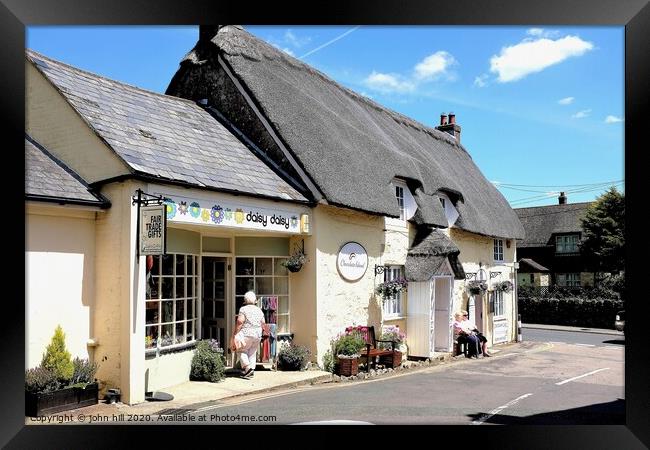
(610, 413)
(615, 341)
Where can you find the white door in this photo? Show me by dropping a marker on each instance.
(442, 314)
(418, 319)
(432, 318)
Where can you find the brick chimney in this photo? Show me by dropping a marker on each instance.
(451, 127)
(562, 198)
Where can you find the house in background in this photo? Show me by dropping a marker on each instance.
(549, 254)
(408, 196)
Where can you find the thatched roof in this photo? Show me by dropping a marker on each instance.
(430, 249)
(163, 136)
(48, 179)
(527, 265)
(542, 222)
(351, 146)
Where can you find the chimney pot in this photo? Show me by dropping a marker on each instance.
(443, 119)
(562, 198)
(452, 118)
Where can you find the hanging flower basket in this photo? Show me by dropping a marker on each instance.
(476, 287)
(390, 289)
(504, 286)
(294, 262)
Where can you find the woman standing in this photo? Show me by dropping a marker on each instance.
(248, 334)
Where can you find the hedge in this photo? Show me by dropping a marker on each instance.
(571, 311)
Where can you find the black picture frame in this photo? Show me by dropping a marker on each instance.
(633, 14)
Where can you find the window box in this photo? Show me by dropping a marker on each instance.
(43, 403)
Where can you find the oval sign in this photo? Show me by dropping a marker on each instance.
(352, 261)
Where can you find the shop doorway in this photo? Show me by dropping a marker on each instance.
(214, 292)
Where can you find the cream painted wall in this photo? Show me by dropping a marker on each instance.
(474, 249)
(52, 122)
(167, 370)
(341, 303)
(59, 278)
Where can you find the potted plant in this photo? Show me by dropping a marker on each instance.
(294, 262)
(504, 286)
(476, 287)
(59, 383)
(347, 349)
(392, 333)
(391, 288)
(293, 357)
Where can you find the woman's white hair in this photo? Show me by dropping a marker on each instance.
(250, 298)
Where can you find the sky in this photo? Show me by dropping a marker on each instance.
(541, 109)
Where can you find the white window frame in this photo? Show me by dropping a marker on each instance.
(187, 298)
(498, 252)
(451, 213)
(499, 304)
(563, 246)
(399, 194)
(273, 276)
(393, 307)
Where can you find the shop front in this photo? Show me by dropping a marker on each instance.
(219, 246)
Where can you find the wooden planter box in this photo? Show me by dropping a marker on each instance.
(43, 403)
(347, 366)
(393, 360)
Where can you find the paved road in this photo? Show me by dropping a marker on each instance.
(570, 337)
(539, 384)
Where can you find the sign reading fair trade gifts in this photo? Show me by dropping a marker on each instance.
(352, 261)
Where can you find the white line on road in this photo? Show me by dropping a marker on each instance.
(555, 342)
(581, 376)
(586, 345)
(485, 417)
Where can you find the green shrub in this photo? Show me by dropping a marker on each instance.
(580, 312)
(207, 363)
(84, 371)
(328, 361)
(293, 357)
(41, 379)
(57, 357)
(349, 344)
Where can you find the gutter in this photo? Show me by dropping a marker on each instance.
(104, 204)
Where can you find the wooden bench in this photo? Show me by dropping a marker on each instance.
(389, 357)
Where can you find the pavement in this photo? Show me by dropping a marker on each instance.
(571, 329)
(194, 395)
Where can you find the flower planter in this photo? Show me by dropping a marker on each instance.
(347, 366)
(294, 268)
(392, 361)
(43, 403)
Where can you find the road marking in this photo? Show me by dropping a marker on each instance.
(485, 417)
(581, 376)
(585, 345)
(556, 342)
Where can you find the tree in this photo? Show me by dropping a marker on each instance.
(57, 357)
(603, 243)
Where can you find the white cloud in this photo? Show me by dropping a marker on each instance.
(387, 83)
(535, 31)
(284, 49)
(566, 101)
(613, 119)
(294, 40)
(481, 80)
(434, 66)
(529, 56)
(581, 114)
(541, 32)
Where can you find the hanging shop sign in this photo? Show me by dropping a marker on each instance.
(227, 214)
(500, 331)
(352, 261)
(153, 224)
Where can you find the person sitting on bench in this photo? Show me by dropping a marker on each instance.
(465, 336)
(467, 324)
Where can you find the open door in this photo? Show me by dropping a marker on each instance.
(442, 313)
(214, 284)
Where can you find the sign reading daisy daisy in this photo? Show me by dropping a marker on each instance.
(228, 214)
(152, 230)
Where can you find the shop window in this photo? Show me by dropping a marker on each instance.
(269, 279)
(393, 307)
(172, 286)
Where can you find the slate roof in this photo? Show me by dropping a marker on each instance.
(47, 178)
(430, 249)
(532, 266)
(353, 147)
(542, 222)
(163, 136)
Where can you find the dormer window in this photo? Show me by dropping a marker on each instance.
(567, 244)
(448, 206)
(405, 200)
(442, 202)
